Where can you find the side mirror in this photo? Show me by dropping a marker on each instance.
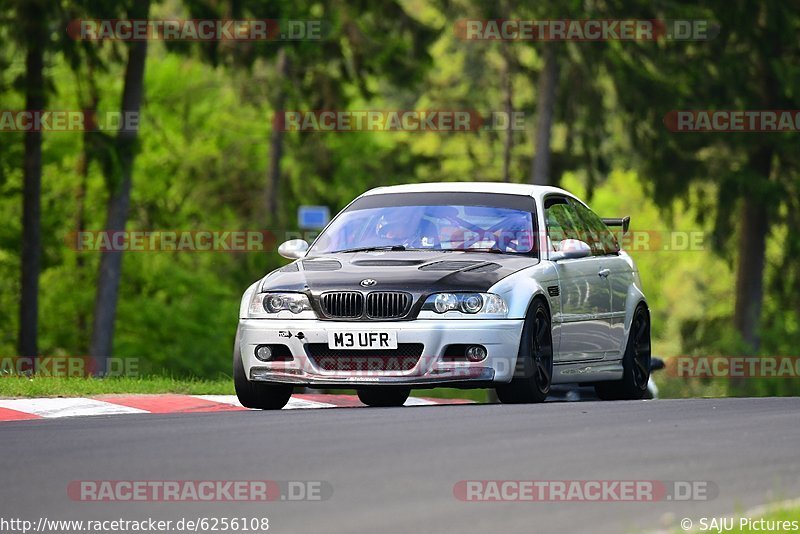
(623, 222)
(293, 249)
(570, 249)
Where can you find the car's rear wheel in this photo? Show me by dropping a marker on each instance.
(384, 396)
(534, 361)
(635, 363)
(255, 394)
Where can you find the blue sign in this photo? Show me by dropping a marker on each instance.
(313, 217)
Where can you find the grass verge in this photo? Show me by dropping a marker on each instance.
(55, 386)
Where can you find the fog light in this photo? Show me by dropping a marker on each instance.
(263, 353)
(475, 353)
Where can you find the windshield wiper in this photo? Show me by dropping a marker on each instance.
(493, 250)
(370, 249)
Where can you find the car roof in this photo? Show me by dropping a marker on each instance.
(536, 191)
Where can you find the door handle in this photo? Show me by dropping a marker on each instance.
(603, 273)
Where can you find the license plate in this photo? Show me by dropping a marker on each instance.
(362, 340)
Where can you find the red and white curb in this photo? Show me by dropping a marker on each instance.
(50, 408)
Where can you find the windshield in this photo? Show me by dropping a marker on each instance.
(429, 226)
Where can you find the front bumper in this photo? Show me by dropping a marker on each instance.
(500, 337)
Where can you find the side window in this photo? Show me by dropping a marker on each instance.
(597, 234)
(562, 221)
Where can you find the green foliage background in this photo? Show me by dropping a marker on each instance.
(203, 162)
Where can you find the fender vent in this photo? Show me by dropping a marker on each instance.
(553, 291)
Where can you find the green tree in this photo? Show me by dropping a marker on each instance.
(108, 280)
(33, 20)
(749, 66)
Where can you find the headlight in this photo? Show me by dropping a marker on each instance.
(444, 302)
(472, 303)
(478, 305)
(281, 306)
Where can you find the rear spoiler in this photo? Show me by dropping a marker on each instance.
(624, 222)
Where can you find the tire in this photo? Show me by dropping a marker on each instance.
(534, 374)
(255, 394)
(635, 363)
(383, 397)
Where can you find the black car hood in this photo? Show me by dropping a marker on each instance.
(415, 271)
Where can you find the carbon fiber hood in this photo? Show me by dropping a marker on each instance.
(418, 272)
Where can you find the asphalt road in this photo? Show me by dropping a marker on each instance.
(393, 469)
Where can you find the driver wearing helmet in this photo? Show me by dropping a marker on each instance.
(406, 227)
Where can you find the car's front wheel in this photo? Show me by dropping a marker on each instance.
(534, 361)
(384, 396)
(635, 363)
(255, 394)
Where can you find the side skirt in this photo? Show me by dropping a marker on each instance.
(565, 373)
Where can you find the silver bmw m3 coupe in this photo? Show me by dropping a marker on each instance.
(468, 285)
